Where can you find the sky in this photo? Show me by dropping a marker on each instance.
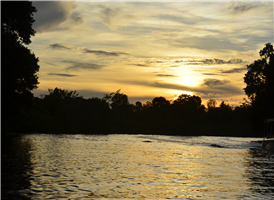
(150, 49)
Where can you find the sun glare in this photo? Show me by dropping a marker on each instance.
(188, 78)
(188, 81)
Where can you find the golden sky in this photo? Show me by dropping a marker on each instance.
(150, 48)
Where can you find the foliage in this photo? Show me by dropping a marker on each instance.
(62, 94)
(117, 99)
(17, 20)
(159, 102)
(260, 86)
(19, 66)
(211, 104)
(63, 111)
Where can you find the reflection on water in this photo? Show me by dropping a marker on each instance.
(138, 167)
(260, 170)
(15, 166)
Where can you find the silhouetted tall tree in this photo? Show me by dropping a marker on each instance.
(260, 85)
(188, 101)
(19, 66)
(211, 104)
(138, 106)
(159, 102)
(116, 99)
(17, 20)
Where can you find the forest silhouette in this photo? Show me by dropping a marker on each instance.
(63, 111)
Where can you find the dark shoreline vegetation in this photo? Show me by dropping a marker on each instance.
(63, 111)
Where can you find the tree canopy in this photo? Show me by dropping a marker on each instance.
(19, 65)
(17, 20)
(259, 81)
(117, 99)
(63, 111)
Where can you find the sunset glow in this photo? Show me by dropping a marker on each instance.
(149, 49)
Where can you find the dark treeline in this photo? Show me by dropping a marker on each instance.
(63, 111)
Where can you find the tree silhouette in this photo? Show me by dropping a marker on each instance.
(159, 102)
(138, 106)
(188, 102)
(260, 85)
(63, 111)
(19, 66)
(211, 104)
(117, 99)
(17, 20)
(62, 94)
(225, 106)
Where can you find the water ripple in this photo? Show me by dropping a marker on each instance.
(143, 167)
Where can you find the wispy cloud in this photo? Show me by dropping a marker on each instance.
(241, 7)
(49, 63)
(59, 46)
(212, 61)
(114, 16)
(214, 43)
(86, 66)
(166, 75)
(104, 53)
(210, 87)
(210, 74)
(65, 75)
(140, 65)
(234, 70)
(76, 17)
(214, 82)
(51, 14)
(146, 42)
(188, 19)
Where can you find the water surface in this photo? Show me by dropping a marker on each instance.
(45, 166)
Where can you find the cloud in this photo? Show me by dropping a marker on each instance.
(234, 70)
(210, 74)
(86, 66)
(204, 90)
(59, 46)
(51, 13)
(50, 63)
(189, 20)
(176, 18)
(77, 18)
(166, 75)
(210, 87)
(115, 16)
(104, 53)
(212, 61)
(217, 43)
(179, 61)
(235, 61)
(140, 65)
(213, 82)
(66, 75)
(241, 7)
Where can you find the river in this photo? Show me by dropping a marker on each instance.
(50, 166)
